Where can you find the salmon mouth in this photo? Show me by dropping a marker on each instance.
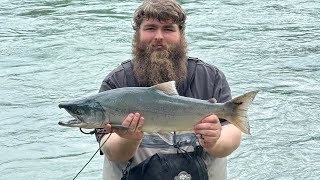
(76, 122)
(71, 123)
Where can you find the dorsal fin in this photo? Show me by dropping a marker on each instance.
(212, 100)
(167, 87)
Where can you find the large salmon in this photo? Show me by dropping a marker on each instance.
(160, 105)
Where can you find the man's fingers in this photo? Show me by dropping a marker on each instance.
(108, 127)
(130, 128)
(134, 122)
(140, 124)
(128, 120)
(210, 119)
(135, 128)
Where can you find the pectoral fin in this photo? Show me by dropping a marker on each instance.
(212, 100)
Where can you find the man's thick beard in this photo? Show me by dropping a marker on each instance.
(152, 66)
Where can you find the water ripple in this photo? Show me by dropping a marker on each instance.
(65, 156)
(37, 12)
(54, 51)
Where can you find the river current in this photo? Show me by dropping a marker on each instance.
(53, 51)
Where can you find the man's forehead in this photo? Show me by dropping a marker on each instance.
(147, 21)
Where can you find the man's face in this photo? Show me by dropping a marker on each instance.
(159, 33)
(159, 53)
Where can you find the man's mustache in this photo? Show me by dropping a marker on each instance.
(157, 43)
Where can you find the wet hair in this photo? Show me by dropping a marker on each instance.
(161, 10)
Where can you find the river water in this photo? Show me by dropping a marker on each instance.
(58, 50)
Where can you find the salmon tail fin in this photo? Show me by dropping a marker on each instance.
(239, 107)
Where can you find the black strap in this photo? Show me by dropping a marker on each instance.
(202, 167)
(126, 170)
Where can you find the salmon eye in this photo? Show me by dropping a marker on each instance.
(77, 112)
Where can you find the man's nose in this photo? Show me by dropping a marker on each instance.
(159, 35)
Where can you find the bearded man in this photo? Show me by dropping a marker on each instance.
(160, 55)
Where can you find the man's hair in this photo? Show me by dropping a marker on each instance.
(162, 10)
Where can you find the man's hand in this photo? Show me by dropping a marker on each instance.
(123, 143)
(208, 130)
(134, 122)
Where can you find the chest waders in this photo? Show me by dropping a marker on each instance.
(177, 166)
